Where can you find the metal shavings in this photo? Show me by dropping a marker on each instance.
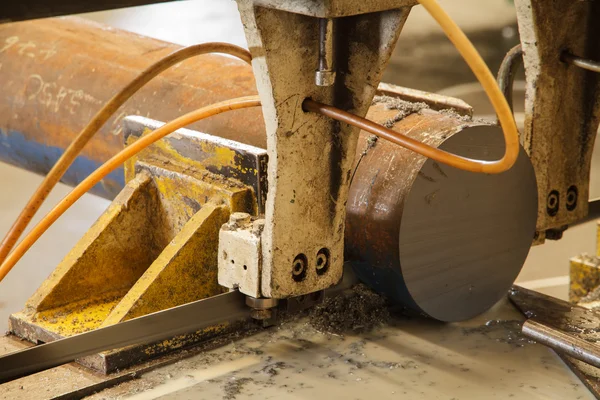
(452, 113)
(405, 108)
(508, 332)
(353, 311)
(234, 386)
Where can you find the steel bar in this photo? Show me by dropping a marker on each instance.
(508, 69)
(557, 314)
(432, 247)
(581, 62)
(325, 74)
(564, 317)
(225, 308)
(560, 341)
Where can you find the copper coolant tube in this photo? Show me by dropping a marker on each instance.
(56, 73)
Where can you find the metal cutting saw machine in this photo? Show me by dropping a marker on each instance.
(242, 210)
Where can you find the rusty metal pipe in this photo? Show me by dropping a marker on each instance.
(57, 73)
(447, 243)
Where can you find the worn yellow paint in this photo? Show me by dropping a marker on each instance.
(218, 157)
(183, 340)
(155, 247)
(78, 317)
(112, 254)
(584, 276)
(584, 272)
(185, 271)
(149, 251)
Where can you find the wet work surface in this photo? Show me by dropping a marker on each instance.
(405, 358)
(349, 348)
(408, 359)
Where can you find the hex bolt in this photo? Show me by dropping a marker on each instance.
(261, 303)
(239, 218)
(325, 74)
(261, 315)
(262, 309)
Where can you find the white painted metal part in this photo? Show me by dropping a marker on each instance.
(239, 254)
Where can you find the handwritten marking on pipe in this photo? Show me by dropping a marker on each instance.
(56, 97)
(24, 46)
(28, 49)
(9, 42)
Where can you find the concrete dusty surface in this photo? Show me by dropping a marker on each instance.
(407, 359)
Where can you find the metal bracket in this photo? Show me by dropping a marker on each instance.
(196, 150)
(155, 247)
(311, 157)
(562, 108)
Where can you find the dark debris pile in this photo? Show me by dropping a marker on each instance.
(353, 311)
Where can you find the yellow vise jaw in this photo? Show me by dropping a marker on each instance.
(156, 245)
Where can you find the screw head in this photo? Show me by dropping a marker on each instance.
(552, 203)
(322, 261)
(299, 267)
(261, 315)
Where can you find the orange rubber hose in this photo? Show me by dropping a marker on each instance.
(115, 162)
(71, 152)
(489, 84)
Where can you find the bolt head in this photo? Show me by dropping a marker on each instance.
(240, 218)
(261, 315)
(324, 78)
(299, 267)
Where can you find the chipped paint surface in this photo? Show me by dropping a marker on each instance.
(208, 154)
(562, 105)
(154, 248)
(78, 317)
(185, 271)
(18, 149)
(181, 341)
(584, 273)
(195, 153)
(56, 73)
(311, 157)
